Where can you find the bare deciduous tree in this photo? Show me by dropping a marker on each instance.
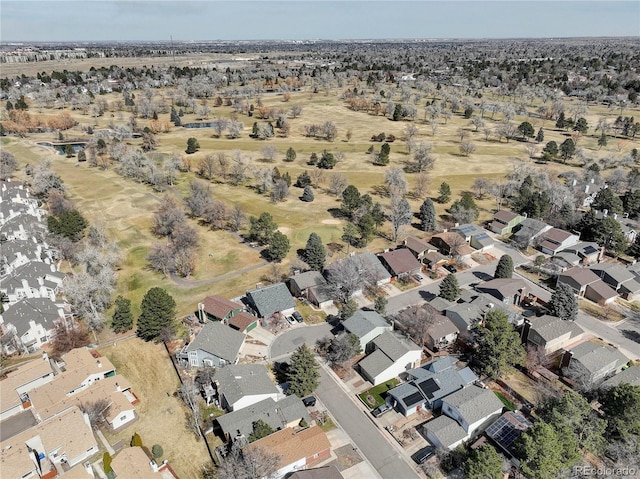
(337, 184)
(250, 462)
(96, 410)
(395, 182)
(168, 216)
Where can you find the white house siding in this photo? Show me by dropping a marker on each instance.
(123, 418)
(435, 442)
(294, 466)
(408, 361)
(17, 409)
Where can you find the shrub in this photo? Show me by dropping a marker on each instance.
(157, 451)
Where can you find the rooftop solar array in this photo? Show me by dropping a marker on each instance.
(505, 432)
(429, 387)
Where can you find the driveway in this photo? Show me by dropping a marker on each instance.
(288, 341)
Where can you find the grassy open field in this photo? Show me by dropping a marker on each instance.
(126, 207)
(162, 418)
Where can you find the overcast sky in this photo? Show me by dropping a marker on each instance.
(94, 20)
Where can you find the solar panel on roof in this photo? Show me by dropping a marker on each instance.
(413, 399)
(590, 250)
(504, 432)
(428, 387)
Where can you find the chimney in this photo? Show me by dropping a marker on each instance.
(615, 216)
(586, 189)
(45, 356)
(605, 212)
(98, 363)
(574, 182)
(566, 359)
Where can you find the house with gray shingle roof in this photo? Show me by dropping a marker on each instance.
(552, 333)
(23, 227)
(589, 252)
(527, 231)
(555, 239)
(287, 412)
(366, 325)
(271, 300)
(216, 345)
(590, 363)
(475, 236)
(585, 283)
(391, 356)
(506, 290)
(34, 279)
(619, 278)
(473, 407)
(241, 385)
(444, 432)
(312, 286)
(631, 376)
(32, 321)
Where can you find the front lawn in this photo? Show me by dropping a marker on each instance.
(374, 397)
(508, 404)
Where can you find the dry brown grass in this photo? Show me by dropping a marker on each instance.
(162, 418)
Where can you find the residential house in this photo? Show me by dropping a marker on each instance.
(241, 385)
(400, 263)
(433, 260)
(586, 284)
(53, 398)
(590, 363)
(504, 221)
(565, 260)
(134, 462)
(555, 240)
(391, 356)
(429, 384)
(631, 376)
(527, 231)
(441, 332)
(287, 412)
(370, 263)
(419, 248)
(589, 252)
(452, 244)
(23, 227)
(552, 333)
(323, 472)
(475, 236)
(619, 278)
(312, 286)
(465, 316)
(18, 252)
(297, 449)
(471, 409)
(31, 321)
(216, 345)
(63, 439)
(32, 280)
(18, 382)
(218, 308)
(505, 290)
(271, 300)
(506, 431)
(366, 325)
(243, 322)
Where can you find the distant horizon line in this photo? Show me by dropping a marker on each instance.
(318, 40)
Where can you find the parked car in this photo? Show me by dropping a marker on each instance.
(291, 320)
(297, 316)
(423, 454)
(309, 401)
(380, 410)
(451, 268)
(418, 277)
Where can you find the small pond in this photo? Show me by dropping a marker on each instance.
(209, 124)
(59, 147)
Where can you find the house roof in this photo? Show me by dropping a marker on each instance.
(271, 299)
(371, 263)
(407, 394)
(401, 261)
(242, 321)
(375, 363)
(134, 462)
(308, 279)
(439, 303)
(507, 429)
(531, 228)
(552, 327)
(237, 381)
(603, 290)
(220, 340)
(594, 356)
(24, 374)
(433, 257)
(582, 276)
(630, 376)
(440, 378)
(557, 235)
(568, 257)
(274, 413)
(616, 271)
(584, 248)
(446, 430)
(469, 313)
(417, 245)
(40, 310)
(324, 472)
(364, 322)
(505, 216)
(394, 346)
(469, 229)
(68, 431)
(219, 307)
(441, 326)
(292, 445)
(632, 286)
(50, 399)
(505, 286)
(474, 403)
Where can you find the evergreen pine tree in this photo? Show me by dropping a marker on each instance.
(540, 136)
(158, 310)
(307, 194)
(445, 193)
(315, 254)
(122, 318)
(499, 346)
(136, 440)
(505, 267)
(427, 215)
(303, 372)
(449, 288)
(563, 303)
